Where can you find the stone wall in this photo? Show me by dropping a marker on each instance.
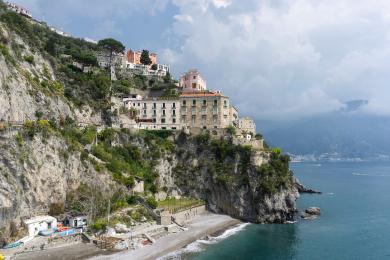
(184, 216)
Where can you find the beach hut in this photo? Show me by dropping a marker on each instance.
(40, 224)
(76, 221)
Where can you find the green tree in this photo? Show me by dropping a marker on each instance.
(112, 45)
(145, 59)
(154, 67)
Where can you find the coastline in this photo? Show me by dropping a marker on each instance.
(200, 227)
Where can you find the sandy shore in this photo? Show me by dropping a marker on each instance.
(203, 225)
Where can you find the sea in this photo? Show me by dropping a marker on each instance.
(354, 221)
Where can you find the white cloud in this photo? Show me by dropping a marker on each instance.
(183, 18)
(288, 59)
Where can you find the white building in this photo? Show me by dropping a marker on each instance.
(146, 70)
(40, 223)
(19, 9)
(155, 113)
(192, 81)
(58, 31)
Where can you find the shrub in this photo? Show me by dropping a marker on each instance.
(29, 59)
(152, 202)
(99, 224)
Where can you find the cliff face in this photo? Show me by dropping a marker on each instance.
(38, 173)
(231, 183)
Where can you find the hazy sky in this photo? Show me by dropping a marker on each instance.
(277, 59)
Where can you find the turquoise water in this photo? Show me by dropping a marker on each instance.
(355, 220)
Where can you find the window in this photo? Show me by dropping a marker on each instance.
(174, 112)
(193, 110)
(144, 105)
(215, 102)
(163, 112)
(133, 104)
(193, 85)
(184, 103)
(194, 77)
(163, 120)
(154, 105)
(163, 105)
(225, 103)
(193, 120)
(174, 105)
(204, 119)
(174, 120)
(204, 102)
(154, 112)
(194, 102)
(184, 119)
(154, 120)
(144, 112)
(215, 120)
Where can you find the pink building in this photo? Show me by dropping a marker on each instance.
(192, 81)
(135, 57)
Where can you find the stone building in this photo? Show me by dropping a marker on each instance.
(205, 110)
(192, 81)
(103, 58)
(247, 125)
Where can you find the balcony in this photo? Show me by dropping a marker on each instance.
(204, 112)
(154, 115)
(215, 111)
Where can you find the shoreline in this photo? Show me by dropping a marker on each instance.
(198, 228)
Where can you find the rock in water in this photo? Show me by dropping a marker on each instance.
(302, 189)
(311, 213)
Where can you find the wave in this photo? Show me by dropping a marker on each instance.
(201, 244)
(360, 174)
(371, 175)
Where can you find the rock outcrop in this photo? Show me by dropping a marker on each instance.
(302, 189)
(311, 213)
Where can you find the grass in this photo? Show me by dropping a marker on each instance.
(177, 205)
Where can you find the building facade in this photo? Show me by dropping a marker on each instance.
(135, 57)
(192, 81)
(247, 125)
(205, 110)
(155, 113)
(103, 58)
(20, 10)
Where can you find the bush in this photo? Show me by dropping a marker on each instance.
(99, 225)
(29, 59)
(152, 202)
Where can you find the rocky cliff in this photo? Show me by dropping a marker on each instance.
(48, 163)
(246, 184)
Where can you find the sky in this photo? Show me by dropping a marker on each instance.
(276, 59)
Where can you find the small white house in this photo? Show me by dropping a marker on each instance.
(40, 223)
(138, 185)
(77, 221)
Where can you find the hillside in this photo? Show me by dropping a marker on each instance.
(51, 165)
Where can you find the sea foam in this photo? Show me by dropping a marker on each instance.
(201, 244)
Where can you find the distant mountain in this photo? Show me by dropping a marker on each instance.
(344, 134)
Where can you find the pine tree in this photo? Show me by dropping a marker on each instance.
(145, 59)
